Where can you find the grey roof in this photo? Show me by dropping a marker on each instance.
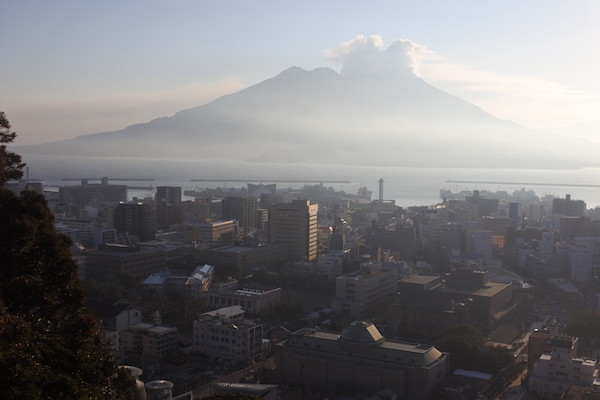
(361, 332)
(247, 388)
(106, 310)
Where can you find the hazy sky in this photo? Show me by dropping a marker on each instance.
(75, 67)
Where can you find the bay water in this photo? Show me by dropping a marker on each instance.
(407, 186)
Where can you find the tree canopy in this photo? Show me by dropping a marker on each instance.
(10, 163)
(50, 345)
(467, 349)
(585, 324)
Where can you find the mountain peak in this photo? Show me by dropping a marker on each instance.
(299, 114)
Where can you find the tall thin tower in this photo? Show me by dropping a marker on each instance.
(380, 189)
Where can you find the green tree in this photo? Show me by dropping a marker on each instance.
(585, 324)
(50, 345)
(10, 163)
(467, 349)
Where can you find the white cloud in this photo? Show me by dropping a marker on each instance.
(527, 100)
(530, 101)
(363, 55)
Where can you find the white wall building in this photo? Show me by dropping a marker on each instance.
(580, 262)
(555, 371)
(358, 293)
(546, 246)
(225, 333)
(114, 319)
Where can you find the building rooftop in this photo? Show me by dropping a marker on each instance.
(158, 278)
(361, 332)
(362, 275)
(246, 388)
(369, 345)
(160, 330)
(235, 249)
(420, 279)
(227, 312)
(106, 310)
(564, 285)
(487, 290)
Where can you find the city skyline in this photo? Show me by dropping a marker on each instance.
(77, 68)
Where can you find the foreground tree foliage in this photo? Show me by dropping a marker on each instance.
(10, 163)
(50, 345)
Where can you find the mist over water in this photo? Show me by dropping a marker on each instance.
(408, 186)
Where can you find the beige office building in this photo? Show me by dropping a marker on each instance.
(295, 224)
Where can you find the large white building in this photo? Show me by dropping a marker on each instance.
(359, 293)
(580, 262)
(555, 371)
(225, 333)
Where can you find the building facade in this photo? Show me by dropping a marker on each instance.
(103, 194)
(360, 293)
(241, 209)
(168, 194)
(150, 340)
(295, 224)
(214, 231)
(253, 300)
(135, 218)
(555, 371)
(108, 262)
(225, 333)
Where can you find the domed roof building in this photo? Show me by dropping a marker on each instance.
(360, 358)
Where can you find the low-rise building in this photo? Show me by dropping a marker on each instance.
(114, 319)
(150, 340)
(193, 285)
(466, 294)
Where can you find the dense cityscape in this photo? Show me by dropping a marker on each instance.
(303, 200)
(318, 293)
